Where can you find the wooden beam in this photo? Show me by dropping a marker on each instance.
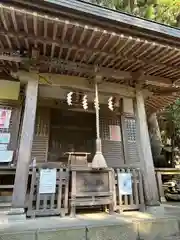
(24, 155)
(67, 65)
(77, 83)
(87, 69)
(80, 47)
(150, 184)
(57, 93)
(103, 71)
(84, 68)
(169, 92)
(159, 83)
(11, 58)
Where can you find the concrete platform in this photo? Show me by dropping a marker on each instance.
(97, 226)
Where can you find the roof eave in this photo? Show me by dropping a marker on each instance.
(107, 18)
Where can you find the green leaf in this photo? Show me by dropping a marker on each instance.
(150, 12)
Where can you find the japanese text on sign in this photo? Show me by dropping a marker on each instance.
(47, 183)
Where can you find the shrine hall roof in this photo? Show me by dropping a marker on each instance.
(73, 39)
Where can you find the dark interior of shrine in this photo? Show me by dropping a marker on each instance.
(71, 131)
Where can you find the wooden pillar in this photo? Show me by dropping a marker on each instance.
(147, 165)
(24, 155)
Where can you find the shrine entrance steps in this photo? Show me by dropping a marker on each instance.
(94, 226)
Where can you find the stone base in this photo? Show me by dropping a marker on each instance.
(12, 214)
(93, 227)
(16, 211)
(120, 229)
(155, 210)
(159, 229)
(163, 200)
(153, 203)
(20, 217)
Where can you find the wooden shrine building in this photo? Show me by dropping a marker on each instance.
(77, 84)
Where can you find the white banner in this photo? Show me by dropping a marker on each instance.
(115, 133)
(5, 138)
(3, 147)
(5, 116)
(125, 183)
(6, 156)
(47, 182)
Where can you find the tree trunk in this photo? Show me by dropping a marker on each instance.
(173, 144)
(155, 136)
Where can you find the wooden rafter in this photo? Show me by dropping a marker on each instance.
(114, 56)
(155, 103)
(24, 20)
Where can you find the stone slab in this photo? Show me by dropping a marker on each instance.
(158, 229)
(62, 234)
(16, 211)
(8, 214)
(114, 232)
(126, 226)
(18, 236)
(157, 210)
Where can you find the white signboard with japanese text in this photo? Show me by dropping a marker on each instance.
(47, 183)
(125, 183)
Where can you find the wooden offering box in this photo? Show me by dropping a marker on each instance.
(91, 188)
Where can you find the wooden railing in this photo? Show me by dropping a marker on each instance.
(84, 191)
(69, 191)
(47, 204)
(159, 173)
(134, 201)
